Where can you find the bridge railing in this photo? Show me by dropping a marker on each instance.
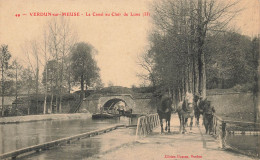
(219, 130)
(223, 128)
(146, 124)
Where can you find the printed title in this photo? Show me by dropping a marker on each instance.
(86, 14)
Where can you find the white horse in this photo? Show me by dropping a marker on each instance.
(185, 110)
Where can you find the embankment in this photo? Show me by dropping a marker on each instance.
(31, 118)
(234, 106)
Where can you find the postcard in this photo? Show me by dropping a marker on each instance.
(132, 79)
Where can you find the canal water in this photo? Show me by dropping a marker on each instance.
(17, 136)
(249, 144)
(20, 135)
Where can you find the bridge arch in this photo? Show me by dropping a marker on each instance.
(109, 100)
(112, 103)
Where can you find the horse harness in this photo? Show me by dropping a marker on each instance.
(185, 108)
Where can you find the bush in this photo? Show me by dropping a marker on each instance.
(247, 87)
(237, 88)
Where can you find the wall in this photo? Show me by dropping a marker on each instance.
(236, 105)
(144, 106)
(138, 106)
(23, 108)
(90, 106)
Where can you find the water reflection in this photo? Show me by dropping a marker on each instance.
(87, 147)
(17, 136)
(247, 143)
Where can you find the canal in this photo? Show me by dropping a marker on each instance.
(20, 135)
(247, 143)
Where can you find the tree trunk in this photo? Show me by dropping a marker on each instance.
(28, 102)
(51, 95)
(61, 72)
(184, 82)
(56, 103)
(188, 74)
(191, 41)
(51, 102)
(258, 87)
(177, 99)
(194, 78)
(3, 91)
(69, 78)
(37, 88)
(201, 61)
(16, 94)
(204, 80)
(60, 103)
(46, 88)
(82, 87)
(86, 89)
(46, 77)
(44, 105)
(61, 79)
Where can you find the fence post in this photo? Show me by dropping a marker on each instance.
(223, 135)
(215, 125)
(137, 127)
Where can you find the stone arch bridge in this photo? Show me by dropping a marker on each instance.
(141, 104)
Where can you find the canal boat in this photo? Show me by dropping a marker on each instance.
(104, 115)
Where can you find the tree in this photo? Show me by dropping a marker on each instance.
(50, 73)
(83, 65)
(147, 63)
(256, 49)
(17, 68)
(32, 52)
(28, 81)
(178, 41)
(229, 60)
(98, 85)
(46, 71)
(61, 40)
(255, 61)
(210, 16)
(5, 57)
(35, 51)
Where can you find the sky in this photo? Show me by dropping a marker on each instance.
(119, 40)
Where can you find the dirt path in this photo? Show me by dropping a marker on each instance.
(192, 145)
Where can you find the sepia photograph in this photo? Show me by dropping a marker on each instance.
(129, 79)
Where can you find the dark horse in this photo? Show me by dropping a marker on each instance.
(198, 108)
(164, 110)
(208, 113)
(186, 110)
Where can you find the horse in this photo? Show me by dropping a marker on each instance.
(185, 110)
(164, 110)
(198, 108)
(208, 112)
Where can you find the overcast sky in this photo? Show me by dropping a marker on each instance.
(119, 40)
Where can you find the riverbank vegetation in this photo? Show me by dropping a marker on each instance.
(51, 66)
(192, 48)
